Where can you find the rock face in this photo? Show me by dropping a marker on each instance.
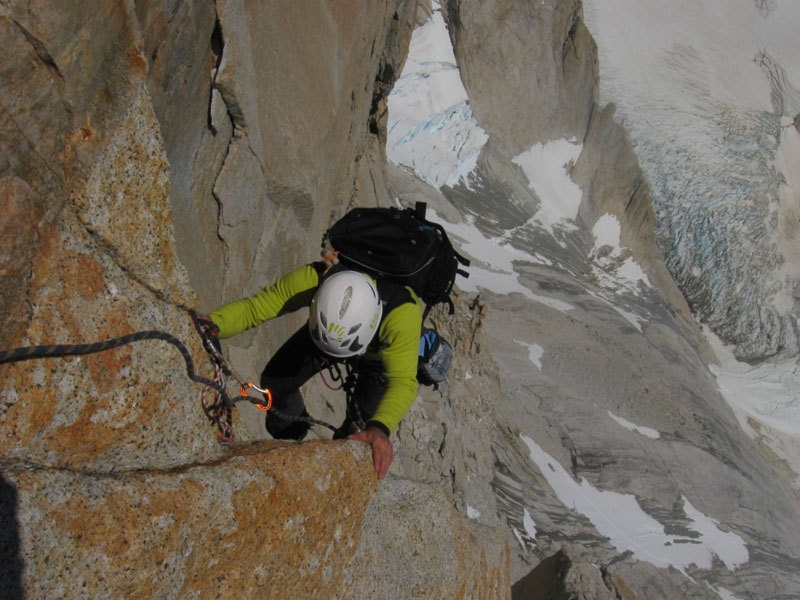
(98, 236)
(550, 88)
(158, 155)
(468, 560)
(558, 577)
(163, 155)
(292, 102)
(264, 521)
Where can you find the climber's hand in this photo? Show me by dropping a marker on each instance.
(382, 449)
(206, 324)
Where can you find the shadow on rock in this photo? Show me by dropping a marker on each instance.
(11, 569)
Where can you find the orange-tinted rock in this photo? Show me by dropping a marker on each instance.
(269, 520)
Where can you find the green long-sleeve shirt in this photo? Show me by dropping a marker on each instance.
(398, 335)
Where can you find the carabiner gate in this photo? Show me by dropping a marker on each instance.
(258, 405)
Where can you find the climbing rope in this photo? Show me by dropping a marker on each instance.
(219, 410)
(59, 350)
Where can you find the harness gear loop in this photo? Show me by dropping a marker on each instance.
(334, 372)
(349, 387)
(347, 382)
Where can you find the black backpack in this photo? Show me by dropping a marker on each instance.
(401, 245)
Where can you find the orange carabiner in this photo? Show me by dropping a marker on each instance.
(266, 392)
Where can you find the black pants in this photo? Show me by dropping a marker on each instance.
(297, 361)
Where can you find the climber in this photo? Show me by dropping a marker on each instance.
(373, 324)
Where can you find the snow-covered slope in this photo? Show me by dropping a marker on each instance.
(616, 436)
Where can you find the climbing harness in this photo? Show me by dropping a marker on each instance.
(219, 411)
(347, 382)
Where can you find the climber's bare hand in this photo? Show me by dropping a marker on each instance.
(382, 449)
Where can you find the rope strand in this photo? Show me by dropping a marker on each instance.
(218, 411)
(60, 350)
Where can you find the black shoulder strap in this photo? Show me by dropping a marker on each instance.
(392, 294)
(321, 268)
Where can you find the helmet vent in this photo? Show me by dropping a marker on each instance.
(347, 296)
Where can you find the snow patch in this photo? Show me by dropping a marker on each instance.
(765, 399)
(546, 167)
(613, 265)
(535, 352)
(724, 593)
(528, 538)
(645, 431)
(528, 524)
(620, 518)
(495, 269)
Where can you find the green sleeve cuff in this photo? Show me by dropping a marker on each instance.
(380, 426)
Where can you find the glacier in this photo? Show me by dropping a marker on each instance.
(710, 99)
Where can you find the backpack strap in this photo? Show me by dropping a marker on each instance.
(321, 268)
(392, 294)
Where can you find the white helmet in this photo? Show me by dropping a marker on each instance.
(345, 313)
